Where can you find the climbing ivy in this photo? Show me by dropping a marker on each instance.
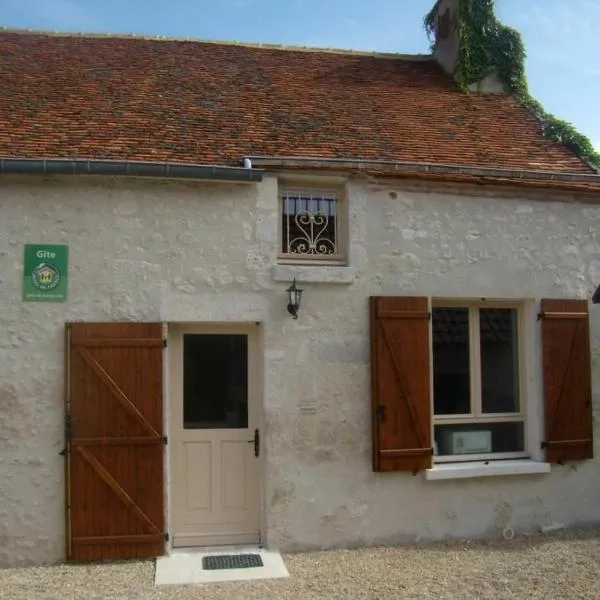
(487, 45)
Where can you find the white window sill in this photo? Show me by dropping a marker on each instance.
(486, 469)
(314, 274)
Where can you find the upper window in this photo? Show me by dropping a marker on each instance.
(476, 382)
(311, 226)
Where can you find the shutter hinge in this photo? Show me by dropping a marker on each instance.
(68, 426)
(544, 446)
(166, 536)
(165, 440)
(164, 342)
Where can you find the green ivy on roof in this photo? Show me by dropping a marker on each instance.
(488, 45)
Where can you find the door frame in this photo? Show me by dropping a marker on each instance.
(174, 329)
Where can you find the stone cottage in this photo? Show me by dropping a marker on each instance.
(162, 382)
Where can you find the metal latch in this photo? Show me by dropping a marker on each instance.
(256, 442)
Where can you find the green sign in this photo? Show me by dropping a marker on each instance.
(45, 273)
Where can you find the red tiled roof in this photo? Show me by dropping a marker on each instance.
(124, 98)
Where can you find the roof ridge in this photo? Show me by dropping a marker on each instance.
(259, 45)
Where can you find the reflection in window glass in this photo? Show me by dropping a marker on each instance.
(215, 381)
(451, 376)
(479, 438)
(499, 360)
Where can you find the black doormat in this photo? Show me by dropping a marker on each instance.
(231, 561)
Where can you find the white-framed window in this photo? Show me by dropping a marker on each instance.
(478, 381)
(312, 226)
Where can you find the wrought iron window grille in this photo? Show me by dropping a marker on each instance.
(310, 225)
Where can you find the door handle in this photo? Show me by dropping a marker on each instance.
(256, 442)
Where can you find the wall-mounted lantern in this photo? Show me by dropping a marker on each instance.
(295, 296)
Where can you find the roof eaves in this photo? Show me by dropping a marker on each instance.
(59, 166)
(424, 167)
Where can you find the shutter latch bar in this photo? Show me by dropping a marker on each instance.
(405, 452)
(566, 443)
(562, 315)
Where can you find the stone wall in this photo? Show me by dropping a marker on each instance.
(148, 250)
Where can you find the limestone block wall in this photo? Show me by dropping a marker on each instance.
(197, 252)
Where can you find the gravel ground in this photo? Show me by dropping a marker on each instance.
(553, 568)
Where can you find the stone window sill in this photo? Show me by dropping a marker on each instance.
(314, 274)
(486, 469)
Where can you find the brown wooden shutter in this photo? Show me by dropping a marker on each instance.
(400, 384)
(115, 446)
(567, 380)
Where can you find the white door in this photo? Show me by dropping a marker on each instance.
(215, 436)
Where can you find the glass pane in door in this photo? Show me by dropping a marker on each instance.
(215, 381)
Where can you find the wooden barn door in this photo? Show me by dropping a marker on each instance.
(115, 487)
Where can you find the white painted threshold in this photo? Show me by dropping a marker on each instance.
(486, 469)
(185, 567)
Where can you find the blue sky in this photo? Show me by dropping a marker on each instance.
(562, 65)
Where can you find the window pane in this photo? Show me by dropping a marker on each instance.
(499, 360)
(309, 226)
(479, 438)
(451, 378)
(215, 381)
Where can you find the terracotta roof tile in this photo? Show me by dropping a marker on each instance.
(124, 98)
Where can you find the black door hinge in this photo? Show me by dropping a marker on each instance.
(166, 536)
(381, 413)
(68, 426)
(165, 343)
(165, 440)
